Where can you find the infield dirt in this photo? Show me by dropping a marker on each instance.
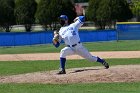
(122, 73)
(55, 56)
(126, 73)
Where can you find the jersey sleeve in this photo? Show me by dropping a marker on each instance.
(60, 38)
(79, 21)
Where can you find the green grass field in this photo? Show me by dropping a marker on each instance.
(96, 46)
(10, 68)
(15, 67)
(71, 88)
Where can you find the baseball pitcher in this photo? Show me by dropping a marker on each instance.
(69, 34)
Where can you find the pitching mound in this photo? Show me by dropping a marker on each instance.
(126, 73)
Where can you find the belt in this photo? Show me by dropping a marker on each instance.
(74, 44)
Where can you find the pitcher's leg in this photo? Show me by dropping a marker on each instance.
(64, 52)
(87, 55)
(83, 52)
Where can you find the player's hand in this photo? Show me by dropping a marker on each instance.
(56, 37)
(76, 19)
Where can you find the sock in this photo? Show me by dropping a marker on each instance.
(62, 63)
(100, 60)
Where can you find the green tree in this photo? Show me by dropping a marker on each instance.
(7, 18)
(55, 8)
(106, 12)
(136, 9)
(49, 11)
(92, 12)
(68, 9)
(25, 13)
(43, 13)
(80, 1)
(120, 10)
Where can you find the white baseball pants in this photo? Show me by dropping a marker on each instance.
(80, 50)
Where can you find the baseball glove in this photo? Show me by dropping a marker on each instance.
(56, 37)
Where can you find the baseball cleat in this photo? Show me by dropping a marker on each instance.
(106, 64)
(61, 72)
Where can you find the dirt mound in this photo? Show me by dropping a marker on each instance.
(125, 73)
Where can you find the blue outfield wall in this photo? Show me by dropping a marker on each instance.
(45, 37)
(98, 35)
(25, 38)
(128, 30)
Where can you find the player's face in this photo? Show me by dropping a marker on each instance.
(62, 22)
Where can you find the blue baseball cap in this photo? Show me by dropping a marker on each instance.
(63, 17)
